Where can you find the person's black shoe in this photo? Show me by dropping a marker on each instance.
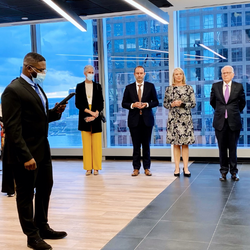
(38, 244)
(186, 174)
(235, 177)
(223, 177)
(177, 174)
(49, 233)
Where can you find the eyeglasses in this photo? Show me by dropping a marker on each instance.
(226, 73)
(39, 70)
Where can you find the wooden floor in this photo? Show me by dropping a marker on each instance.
(91, 209)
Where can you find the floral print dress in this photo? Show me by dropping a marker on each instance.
(180, 129)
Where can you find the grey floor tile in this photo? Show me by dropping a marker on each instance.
(189, 210)
(190, 202)
(232, 234)
(209, 173)
(199, 214)
(155, 210)
(216, 192)
(211, 184)
(175, 188)
(118, 243)
(236, 217)
(227, 247)
(215, 166)
(186, 231)
(239, 200)
(151, 244)
(196, 208)
(182, 182)
(242, 184)
(137, 228)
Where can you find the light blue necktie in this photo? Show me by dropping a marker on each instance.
(226, 97)
(39, 94)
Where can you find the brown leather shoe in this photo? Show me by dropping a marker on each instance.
(235, 177)
(135, 172)
(147, 172)
(223, 177)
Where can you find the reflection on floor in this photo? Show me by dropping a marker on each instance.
(197, 213)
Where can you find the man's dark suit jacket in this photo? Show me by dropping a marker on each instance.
(234, 106)
(81, 102)
(26, 123)
(149, 95)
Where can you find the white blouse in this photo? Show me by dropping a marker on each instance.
(89, 92)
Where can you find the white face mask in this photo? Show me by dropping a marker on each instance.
(90, 77)
(39, 78)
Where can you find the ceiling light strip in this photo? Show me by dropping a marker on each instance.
(150, 9)
(75, 20)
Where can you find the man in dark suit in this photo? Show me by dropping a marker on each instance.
(27, 151)
(228, 100)
(139, 98)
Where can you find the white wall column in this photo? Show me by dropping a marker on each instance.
(174, 58)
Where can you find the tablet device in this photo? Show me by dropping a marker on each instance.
(63, 101)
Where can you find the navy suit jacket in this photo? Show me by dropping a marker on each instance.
(149, 95)
(234, 106)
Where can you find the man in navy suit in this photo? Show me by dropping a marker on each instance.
(139, 98)
(228, 100)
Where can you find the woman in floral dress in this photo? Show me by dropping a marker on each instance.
(180, 99)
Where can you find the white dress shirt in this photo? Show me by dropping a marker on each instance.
(137, 88)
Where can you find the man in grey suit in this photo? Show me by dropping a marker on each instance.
(27, 151)
(228, 100)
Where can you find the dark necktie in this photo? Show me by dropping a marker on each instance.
(139, 95)
(39, 94)
(226, 97)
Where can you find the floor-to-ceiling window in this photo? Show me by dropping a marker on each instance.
(67, 50)
(133, 41)
(226, 31)
(15, 43)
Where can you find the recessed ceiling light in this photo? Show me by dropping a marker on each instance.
(25, 18)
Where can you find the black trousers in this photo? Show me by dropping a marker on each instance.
(37, 182)
(227, 140)
(141, 136)
(8, 185)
